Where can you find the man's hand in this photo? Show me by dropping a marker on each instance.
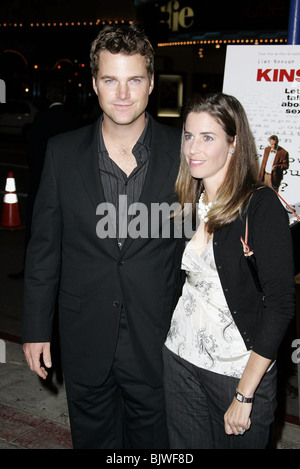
(33, 353)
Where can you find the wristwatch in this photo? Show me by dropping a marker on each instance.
(241, 398)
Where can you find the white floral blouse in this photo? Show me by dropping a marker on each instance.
(202, 330)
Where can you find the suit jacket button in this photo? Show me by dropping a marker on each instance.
(116, 304)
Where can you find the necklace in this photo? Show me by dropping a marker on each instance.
(203, 208)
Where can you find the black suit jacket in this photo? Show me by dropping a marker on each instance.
(93, 277)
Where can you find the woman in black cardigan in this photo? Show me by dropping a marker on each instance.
(220, 370)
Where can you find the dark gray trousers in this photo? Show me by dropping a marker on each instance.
(197, 400)
(122, 413)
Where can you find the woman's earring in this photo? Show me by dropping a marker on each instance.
(232, 150)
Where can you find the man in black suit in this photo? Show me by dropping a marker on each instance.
(115, 292)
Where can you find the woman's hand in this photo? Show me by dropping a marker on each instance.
(237, 418)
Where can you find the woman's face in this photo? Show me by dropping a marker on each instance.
(205, 148)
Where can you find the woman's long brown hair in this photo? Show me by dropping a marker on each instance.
(243, 170)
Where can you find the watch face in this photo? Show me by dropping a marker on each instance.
(242, 398)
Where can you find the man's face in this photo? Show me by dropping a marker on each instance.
(122, 86)
(273, 144)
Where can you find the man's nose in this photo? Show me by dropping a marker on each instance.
(123, 91)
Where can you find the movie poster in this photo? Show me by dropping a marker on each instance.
(266, 80)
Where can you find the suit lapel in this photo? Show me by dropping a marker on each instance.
(159, 168)
(88, 167)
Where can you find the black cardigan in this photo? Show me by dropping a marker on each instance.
(262, 318)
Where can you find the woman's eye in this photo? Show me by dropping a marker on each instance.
(188, 136)
(207, 138)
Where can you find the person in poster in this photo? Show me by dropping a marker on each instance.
(274, 162)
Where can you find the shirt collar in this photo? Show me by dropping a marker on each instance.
(144, 139)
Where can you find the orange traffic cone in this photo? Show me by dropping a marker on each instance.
(10, 212)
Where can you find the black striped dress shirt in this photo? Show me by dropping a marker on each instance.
(116, 183)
